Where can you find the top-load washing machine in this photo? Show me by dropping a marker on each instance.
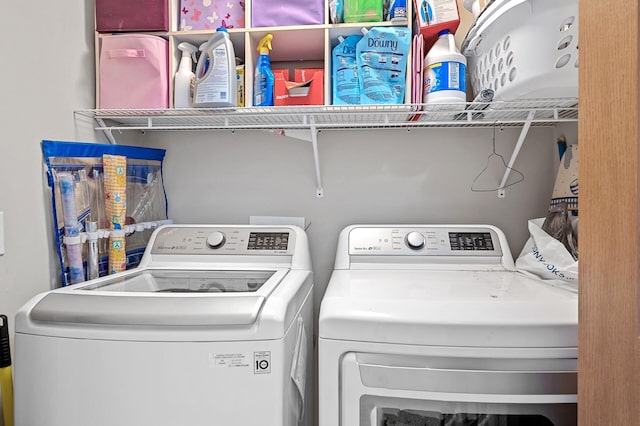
(431, 325)
(213, 328)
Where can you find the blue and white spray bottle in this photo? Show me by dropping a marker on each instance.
(263, 81)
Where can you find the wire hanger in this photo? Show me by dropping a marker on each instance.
(504, 163)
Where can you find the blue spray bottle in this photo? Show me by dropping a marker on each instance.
(263, 81)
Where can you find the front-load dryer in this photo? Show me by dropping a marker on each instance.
(213, 328)
(431, 325)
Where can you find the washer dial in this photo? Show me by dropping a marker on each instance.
(216, 239)
(414, 240)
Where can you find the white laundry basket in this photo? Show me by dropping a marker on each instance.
(525, 49)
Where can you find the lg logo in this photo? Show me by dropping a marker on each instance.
(262, 362)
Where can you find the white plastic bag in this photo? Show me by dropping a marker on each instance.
(547, 258)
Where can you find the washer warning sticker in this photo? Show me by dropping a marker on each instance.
(262, 362)
(229, 360)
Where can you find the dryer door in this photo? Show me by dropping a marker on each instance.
(380, 390)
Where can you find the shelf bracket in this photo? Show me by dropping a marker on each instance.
(316, 157)
(107, 131)
(308, 134)
(516, 151)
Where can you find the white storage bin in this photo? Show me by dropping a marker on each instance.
(524, 49)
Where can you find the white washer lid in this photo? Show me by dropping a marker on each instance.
(448, 308)
(71, 312)
(162, 297)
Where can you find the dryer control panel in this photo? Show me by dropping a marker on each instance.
(224, 240)
(424, 241)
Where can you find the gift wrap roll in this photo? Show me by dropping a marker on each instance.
(117, 252)
(115, 193)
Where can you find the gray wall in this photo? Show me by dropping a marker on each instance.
(47, 72)
(369, 176)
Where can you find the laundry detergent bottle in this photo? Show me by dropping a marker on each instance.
(216, 82)
(184, 78)
(263, 80)
(445, 69)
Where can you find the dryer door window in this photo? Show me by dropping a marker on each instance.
(385, 389)
(478, 415)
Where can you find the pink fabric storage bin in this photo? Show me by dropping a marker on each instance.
(133, 72)
(128, 15)
(278, 13)
(211, 14)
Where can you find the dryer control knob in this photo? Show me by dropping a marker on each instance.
(414, 240)
(216, 240)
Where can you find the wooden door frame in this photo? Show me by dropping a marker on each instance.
(609, 216)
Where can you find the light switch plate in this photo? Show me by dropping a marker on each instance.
(1, 233)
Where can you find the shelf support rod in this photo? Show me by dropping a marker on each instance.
(516, 151)
(316, 158)
(107, 132)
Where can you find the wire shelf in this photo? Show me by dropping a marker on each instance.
(541, 112)
(305, 121)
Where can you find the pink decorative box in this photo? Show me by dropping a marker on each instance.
(127, 15)
(133, 72)
(211, 14)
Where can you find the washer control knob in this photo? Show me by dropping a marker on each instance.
(414, 240)
(216, 240)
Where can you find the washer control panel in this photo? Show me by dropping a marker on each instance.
(219, 240)
(427, 240)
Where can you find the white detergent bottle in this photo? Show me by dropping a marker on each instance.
(217, 86)
(184, 78)
(445, 72)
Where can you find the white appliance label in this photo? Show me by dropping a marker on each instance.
(262, 362)
(228, 360)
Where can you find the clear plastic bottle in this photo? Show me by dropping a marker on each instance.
(217, 87)
(445, 69)
(184, 78)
